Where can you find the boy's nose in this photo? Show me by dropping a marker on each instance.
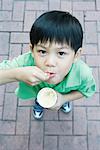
(50, 61)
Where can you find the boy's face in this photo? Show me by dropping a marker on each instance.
(54, 59)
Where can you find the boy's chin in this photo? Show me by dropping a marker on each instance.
(53, 82)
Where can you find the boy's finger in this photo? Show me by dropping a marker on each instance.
(35, 83)
(55, 108)
(40, 74)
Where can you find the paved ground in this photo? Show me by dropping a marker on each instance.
(80, 129)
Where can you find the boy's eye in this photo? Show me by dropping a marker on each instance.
(42, 52)
(61, 53)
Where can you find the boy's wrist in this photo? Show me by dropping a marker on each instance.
(13, 74)
(17, 74)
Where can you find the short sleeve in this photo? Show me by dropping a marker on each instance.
(88, 88)
(14, 63)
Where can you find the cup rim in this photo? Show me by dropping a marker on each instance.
(40, 101)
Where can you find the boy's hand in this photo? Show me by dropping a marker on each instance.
(59, 103)
(32, 75)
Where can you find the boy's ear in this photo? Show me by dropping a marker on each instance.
(78, 54)
(32, 49)
(30, 45)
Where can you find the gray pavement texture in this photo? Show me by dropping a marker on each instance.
(78, 130)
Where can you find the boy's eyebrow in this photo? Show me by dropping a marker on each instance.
(62, 47)
(41, 46)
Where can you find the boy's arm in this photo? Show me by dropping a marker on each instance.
(7, 76)
(73, 95)
(31, 75)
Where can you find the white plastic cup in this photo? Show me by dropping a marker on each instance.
(47, 97)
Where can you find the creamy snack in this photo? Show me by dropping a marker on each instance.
(47, 97)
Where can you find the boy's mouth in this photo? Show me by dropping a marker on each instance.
(51, 74)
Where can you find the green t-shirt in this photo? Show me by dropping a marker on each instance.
(79, 78)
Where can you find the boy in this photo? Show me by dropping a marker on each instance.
(54, 61)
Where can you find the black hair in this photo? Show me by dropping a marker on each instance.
(58, 26)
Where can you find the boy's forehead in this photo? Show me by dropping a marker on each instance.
(52, 44)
